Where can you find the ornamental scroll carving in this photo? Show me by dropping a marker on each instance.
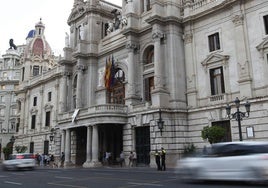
(80, 68)
(157, 35)
(238, 19)
(188, 38)
(132, 47)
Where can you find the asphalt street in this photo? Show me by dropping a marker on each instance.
(103, 177)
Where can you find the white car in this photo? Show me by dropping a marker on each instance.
(228, 161)
(20, 161)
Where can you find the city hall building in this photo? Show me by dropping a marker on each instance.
(148, 75)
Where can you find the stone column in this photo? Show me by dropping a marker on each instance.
(67, 152)
(80, 82)
(131, 90)
(245, 80)
(63, 92)
(89, 147)
(95, 147)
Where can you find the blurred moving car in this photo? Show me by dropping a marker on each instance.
(20, 161)
(228, 161)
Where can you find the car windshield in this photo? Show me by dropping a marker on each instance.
(238, 149)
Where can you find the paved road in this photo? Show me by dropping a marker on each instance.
(104, 177)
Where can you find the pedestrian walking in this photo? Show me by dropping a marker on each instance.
(130, 163)
(62, 159)
(122, 159)
(134, 160)
(163, 159)
(157, 159)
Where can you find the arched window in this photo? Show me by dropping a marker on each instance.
(116, 95)
(150, 55)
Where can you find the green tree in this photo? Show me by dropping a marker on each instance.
(214, 134)
(20, 149)
(8, 150)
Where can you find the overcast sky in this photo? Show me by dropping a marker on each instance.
(18, 17)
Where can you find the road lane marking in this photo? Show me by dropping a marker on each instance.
(13, 183)
(64, 185)
(147, 184)
(62, 177)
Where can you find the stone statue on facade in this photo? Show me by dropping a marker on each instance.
(12, 45)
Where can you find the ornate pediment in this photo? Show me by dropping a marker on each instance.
(215, 60)
(263, 46)
(78, 10)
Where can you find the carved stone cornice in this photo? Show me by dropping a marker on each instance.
(238, 20)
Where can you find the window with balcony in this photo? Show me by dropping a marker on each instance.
(116, 94)
(214, 42)
(217, 81)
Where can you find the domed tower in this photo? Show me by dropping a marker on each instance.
(38, 56)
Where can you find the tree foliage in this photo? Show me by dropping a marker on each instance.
(214, 134)
(20, 149)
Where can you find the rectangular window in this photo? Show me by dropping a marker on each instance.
(47, 123)
(33, 121)
(46, 145)
(18, 125)
(217, 81)
(34, 101)
(49, 96)
(214, 42)
(31, 147)
(149, 86)
(35, 70)
(265, 19)
(22, 74)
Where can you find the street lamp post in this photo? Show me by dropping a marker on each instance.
(238, 115)
(160, 122)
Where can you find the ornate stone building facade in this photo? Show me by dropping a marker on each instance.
(9, 81)
(128, 70)
(37, 94)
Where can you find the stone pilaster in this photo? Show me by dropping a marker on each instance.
(79, 89)
(131, 89)
(190, 71)
(160, 95)
(245, 80)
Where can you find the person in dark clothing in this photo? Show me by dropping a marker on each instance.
(157, 159)
(163, 159)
